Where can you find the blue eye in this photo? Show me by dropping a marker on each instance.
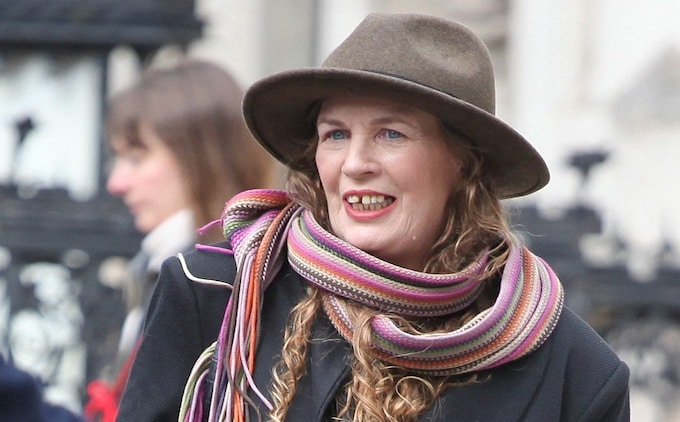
(393, 134)
(337, 135)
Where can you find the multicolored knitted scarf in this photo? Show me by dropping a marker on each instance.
(524, 314)
(257, 223)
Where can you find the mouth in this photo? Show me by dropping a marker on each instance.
(369, 202)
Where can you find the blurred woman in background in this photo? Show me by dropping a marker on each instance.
(180, 151)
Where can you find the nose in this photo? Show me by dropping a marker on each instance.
(118, 182)
(360, 157)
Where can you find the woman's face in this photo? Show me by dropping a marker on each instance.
(387, 171)
(148, 179)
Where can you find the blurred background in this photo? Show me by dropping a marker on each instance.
(593, 84)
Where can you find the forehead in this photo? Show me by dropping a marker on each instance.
(141, 136)
(360, 103)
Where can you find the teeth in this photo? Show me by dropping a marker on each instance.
(369, 202)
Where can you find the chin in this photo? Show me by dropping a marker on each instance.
(364, 242)
(371, 248)
(143, 227)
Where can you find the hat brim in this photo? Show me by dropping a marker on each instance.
(278, 108)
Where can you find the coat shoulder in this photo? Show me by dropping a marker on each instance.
(579, 349)
(214, 265)
(594, 380)
(575, 336)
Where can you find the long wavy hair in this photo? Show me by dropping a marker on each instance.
(377, 391)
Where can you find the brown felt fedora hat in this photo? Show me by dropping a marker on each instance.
(432, 63)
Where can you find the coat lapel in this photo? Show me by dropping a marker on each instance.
(281, 296)
(328, 354)
(327, 373)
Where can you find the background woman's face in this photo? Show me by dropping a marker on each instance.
(148, 179)
(387, 171)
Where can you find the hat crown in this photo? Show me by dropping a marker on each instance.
(437, 53)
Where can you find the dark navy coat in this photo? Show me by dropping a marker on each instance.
(21, 398)
(573, 376)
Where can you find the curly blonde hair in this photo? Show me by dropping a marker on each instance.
(377, 391)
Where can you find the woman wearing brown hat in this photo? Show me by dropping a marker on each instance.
(385, 284)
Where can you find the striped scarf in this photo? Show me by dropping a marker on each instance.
(523, 315)
(260, 223)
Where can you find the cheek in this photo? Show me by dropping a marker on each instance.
(328, 172)
(449, 169)
(163, 170)
(175, 187)
(438, 179)
(171, 175)
(455, 171)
